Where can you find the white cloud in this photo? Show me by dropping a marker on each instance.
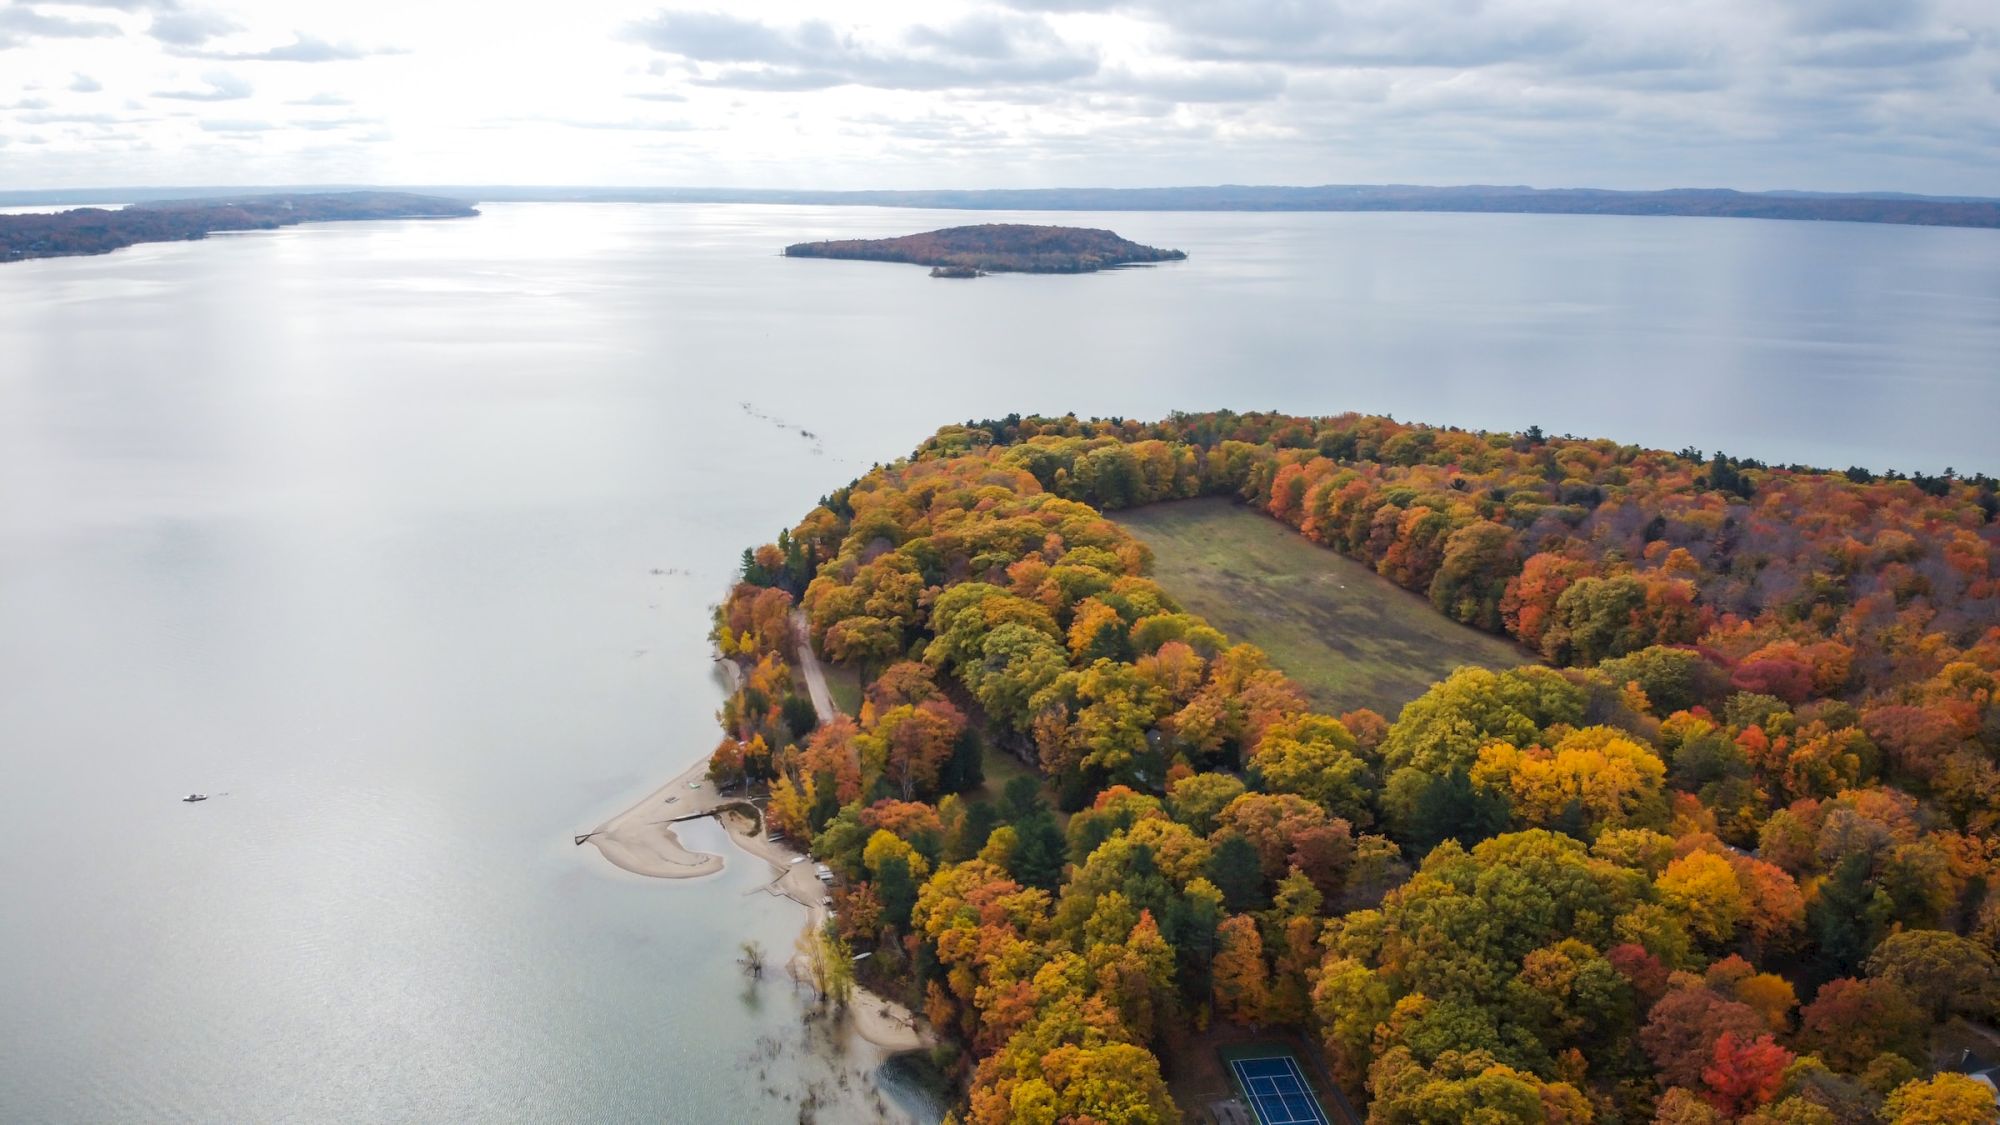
(222, 86)
(983, 50)
(1832, 94)
(321, 124)
(21, 24)
(190, 28)
(303, 48)
(235, 125)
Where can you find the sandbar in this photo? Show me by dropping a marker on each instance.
(641, 839)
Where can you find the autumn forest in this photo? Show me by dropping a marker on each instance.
(1727, 854)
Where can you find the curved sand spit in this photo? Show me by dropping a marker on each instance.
(641, 840)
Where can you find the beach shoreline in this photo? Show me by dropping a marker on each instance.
(641, 840)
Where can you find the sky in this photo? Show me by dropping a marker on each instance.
(1837, 95)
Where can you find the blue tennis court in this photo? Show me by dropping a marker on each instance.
(1277, 1091)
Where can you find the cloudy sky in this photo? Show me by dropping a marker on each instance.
(1824, 94)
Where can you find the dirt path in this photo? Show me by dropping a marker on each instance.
(810, 668)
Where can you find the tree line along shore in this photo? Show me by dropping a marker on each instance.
(94, 230)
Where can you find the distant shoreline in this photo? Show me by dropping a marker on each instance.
(1893, 208)
(87, 230)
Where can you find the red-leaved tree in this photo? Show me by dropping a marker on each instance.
(1743, 1074)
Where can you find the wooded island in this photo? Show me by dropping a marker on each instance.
(995, 248)
(93, 230)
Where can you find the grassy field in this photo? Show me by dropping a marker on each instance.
(1000, 768)
(843, 682)
(1349, 636)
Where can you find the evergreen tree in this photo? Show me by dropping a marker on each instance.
(1022, 796)
(753, 573)
(1235, 870)
(1838, 916)
(980, 821)
(1452, 808)
(1190, 927)
(1038, 852)
(825, 806)
(898, 891)
(799, 716)
(965, 770)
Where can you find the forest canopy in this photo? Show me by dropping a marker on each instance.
(1729, 858)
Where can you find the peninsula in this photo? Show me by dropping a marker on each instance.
(93, 230)
(995, 248)
(1644, 837)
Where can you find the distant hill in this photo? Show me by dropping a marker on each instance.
(1861, 207)
(1701, 202)
(91, 230)
(995, 248)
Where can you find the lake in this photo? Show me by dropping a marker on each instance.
(401, 539)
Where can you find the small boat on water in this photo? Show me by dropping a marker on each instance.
(193, 797)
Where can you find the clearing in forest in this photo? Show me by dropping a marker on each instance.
(1349, 636)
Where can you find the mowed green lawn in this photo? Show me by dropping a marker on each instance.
(1349, 636)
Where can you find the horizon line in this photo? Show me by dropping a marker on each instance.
(50, 194)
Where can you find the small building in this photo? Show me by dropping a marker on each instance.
(1981, 1071)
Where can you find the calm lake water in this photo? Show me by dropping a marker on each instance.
(401, 538)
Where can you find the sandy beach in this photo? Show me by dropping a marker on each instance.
(641, 840)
